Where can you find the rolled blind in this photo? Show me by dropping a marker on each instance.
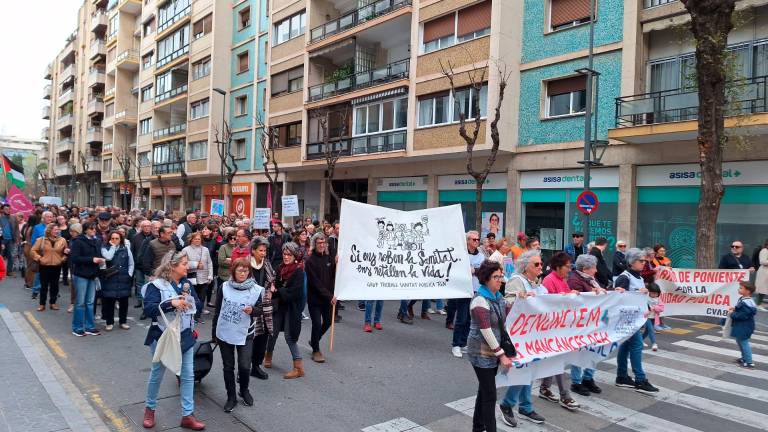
(438, 28)
(566, 85)
(295, 73)
(474, 18)
(566, 11)
(279, 83)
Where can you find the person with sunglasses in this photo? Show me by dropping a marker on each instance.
(619, 259)
(735, 259)
(461, 305)
(632, 349)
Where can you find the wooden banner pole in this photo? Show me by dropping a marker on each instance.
(333, 322)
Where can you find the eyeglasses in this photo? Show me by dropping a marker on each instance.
(475, 239)
(621, 246)
(242, 270)
(497, 277)
(643, 260)
(537, 264)
(736, 247)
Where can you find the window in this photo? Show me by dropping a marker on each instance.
(201, 68)
(107, 166)
(381, 117)
(289, 134)
(146, 93)
(174, 43)
(168, 157)
(568, 13)
(202, 27)
(171, 11)
(444, 107)
(148, 27)
(146, 61)
(143, 159)
(240, 148)
(566, 96)
(244, 18)
(290, 28)
(242, 62)
(288, 81)
(198, 150)
(199, 109)
(460, 26)
(241, 105)
(145, 126)
(114, 26)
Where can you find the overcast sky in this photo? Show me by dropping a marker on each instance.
(32, 33)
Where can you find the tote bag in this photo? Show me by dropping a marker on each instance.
(168, 349)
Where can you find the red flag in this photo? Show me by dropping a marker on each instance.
(19, 202)
(269, 196)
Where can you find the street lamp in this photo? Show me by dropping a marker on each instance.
(223, 93)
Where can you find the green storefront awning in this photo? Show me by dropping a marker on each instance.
(402, 196)
(456, 196)
(690, 195)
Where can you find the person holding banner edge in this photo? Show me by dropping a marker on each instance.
(488, 311)
(461, 305)
(632, 349)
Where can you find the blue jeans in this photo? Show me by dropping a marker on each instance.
(8, 254)
(577, 376)
(649, 332)
(746, 350)
(461, 323)
(369, 306)
(138, 282)
(36, 284)
(187, 381)
(439, 304)
(521, 393)
(404, 306)
(632, 350)
(85, 293)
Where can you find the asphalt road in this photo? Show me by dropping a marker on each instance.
(404, 378)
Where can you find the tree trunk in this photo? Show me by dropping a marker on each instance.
(710, 25)
(479, 205)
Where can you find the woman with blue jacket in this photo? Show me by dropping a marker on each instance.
(117, 287)
(162, 293)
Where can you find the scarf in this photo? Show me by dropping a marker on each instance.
(242, 286)
(287, 270)
(589, 279)
(255, 265)
(485, 292)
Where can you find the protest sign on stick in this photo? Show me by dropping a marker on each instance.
(699, 292)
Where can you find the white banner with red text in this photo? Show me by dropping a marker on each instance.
(387, 254)
(553, 331)
(699, 292)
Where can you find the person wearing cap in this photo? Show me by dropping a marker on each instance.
(489, 245)
(205, 217)
(104, 227)
(576, 247)
(519, 247)
(620, 258)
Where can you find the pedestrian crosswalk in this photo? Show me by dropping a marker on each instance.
(701, 389)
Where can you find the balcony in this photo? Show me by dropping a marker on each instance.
(167, 168)
(67, 74)
(180, 90)
(44, 134)
(65, 97)
(63, 169)
(64, 144)
(391, 72)
(47, 91)
(93, 163)
(69, 48)
(128, 59)
(98, 21)
(98, 49)
(355, 18)
(647, 4)
(96, 77)
(109, 94)
(132, 7)
(370, 144)
(672, 115)
(94, 134)
(171, 57)
(173, 20)
(169, 131)
(107, 148)
(46, 112)
(95, 106)
(126, 116)
(48, 71)
(65, 121)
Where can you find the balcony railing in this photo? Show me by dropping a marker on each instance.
(653, 3)
(95, 134)
(63, 169)
(745, 96)
(67, 73)
(172, 56)
(109, 93)
(47, 91)
(95, 105)
(107, 147)
(179, 15)
(96, 76)
(98, 48)
(356, 17)
(126, 116)
(170, 131)
(99, 19)
(64, 121)
(391, 72)
(167, 168)
(369, 144)
(171, 93)
(66, 96)
(128, 55)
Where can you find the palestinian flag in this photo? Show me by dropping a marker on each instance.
(15, 173)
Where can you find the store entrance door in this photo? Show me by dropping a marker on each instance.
(546, 221)
(355, 190)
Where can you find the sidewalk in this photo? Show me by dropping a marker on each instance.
(37, 394)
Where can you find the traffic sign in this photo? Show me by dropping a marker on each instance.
(587, 202)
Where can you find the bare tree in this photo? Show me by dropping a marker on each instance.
(140, 186)
(269, 144)
(711, 21)
(331, 151)
(477, 78)
(125, 161)
(223, 139)
(88, 185)
(162, 190)
(42, 172)
(73, 178)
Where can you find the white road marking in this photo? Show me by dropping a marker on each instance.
(713, 349)
(714, 338)
(704, 362)
(466, 406)
(400, 424)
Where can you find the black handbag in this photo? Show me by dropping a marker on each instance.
(506, 342)
(108, 272)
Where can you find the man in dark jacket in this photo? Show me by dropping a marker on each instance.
(320, 269)
(155, 251)
(85, 254)
(736, 260)
(10, 233)
(276, 241)
(620, 258)
(603, 275)
(145, 232)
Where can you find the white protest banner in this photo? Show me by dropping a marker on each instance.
(552, 331)
(699, 292)
(261, 218)
(217, 207)
(290, 205)
(387, 254)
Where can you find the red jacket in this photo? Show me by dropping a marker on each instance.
(3, 270)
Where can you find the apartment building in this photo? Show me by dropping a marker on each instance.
(74, 138)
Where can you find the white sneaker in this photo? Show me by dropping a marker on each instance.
(464, 349)
(109, 327)
(430, 311)
(206, 312)
(456, 351)
(655, 347)
(762, 309)
(645, 345)
(125, 326)
(442, 312)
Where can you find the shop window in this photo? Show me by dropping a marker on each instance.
(568, 13)
(566, 96)
(288, 81)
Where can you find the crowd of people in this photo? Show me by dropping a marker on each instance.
(206, 267)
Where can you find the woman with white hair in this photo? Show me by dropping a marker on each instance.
(523, 284)
(632, 280)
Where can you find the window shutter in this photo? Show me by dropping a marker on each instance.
(566, 11)
(243, 62)
(282, 136)
(438, 28)
(279, 83)
(295, 73)
(474, 18)
(566, 85)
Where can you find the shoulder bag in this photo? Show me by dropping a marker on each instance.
(506, 342)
